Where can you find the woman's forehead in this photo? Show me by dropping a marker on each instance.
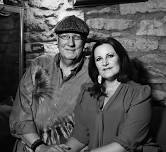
(104, 49)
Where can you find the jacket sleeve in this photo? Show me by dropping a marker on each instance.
(21, 117)
(134, 130)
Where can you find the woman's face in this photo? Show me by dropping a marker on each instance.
(107, 61)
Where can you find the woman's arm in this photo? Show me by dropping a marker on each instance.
(113, 147)
(134, 130)
(73, 145)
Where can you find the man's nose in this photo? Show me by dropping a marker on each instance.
(71, 41)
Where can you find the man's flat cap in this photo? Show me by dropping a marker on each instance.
(72, 24)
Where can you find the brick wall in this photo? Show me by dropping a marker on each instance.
(140, 27)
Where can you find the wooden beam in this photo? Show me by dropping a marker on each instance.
(20, 11)
(10, 8)
(91, 3)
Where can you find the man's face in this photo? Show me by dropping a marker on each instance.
(70, 46)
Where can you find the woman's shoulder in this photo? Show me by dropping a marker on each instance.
(137, 91)
(135, 94)
(137, 87)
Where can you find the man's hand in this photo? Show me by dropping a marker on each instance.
(52, 148)
(65, 147)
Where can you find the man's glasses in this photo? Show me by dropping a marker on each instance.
(67, 37)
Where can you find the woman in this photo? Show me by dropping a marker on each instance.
(113, 114)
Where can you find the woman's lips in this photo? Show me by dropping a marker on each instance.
(105, 69)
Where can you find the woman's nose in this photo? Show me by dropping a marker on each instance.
(105, 62)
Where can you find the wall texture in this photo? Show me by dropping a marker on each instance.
(140, 27)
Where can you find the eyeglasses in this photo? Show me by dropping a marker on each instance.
(67, 37)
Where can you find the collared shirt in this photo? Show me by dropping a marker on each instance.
(74, 70)
(45, 101)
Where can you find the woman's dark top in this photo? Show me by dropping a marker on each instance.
(125, 118)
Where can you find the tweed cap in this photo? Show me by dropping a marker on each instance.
(72, 24)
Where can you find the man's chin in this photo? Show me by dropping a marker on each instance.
(69, 60)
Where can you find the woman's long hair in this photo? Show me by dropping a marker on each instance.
(124, 74)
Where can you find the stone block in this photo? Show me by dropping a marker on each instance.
(152, 27)
(139, 44)
(143, 7)
(110, 24)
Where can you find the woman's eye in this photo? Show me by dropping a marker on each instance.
(98, 59)
(110, 55)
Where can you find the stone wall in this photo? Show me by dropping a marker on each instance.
(140, 27)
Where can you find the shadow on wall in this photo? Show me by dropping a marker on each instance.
(140, 74)
(158, 123)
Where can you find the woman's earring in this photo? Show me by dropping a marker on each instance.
(99, 79)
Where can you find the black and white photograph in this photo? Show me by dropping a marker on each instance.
(83, 75)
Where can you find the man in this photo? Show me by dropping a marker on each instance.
(42, 114)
